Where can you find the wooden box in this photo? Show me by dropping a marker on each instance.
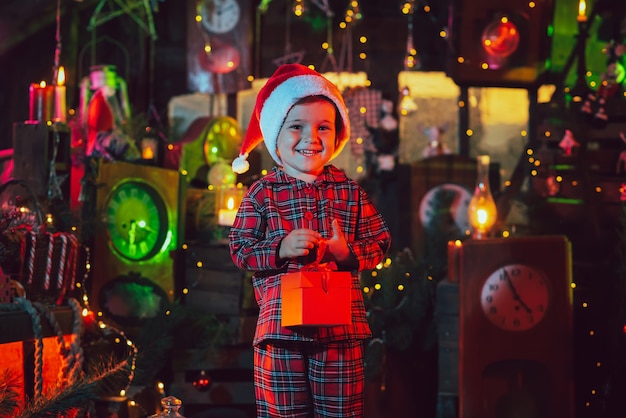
(316, 298)
(215, 285)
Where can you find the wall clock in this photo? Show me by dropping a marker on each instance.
(219, 16)
(515, 297)
(218, 42)
(451, 198)
(136, 218)
(515, 326)
(434, 180)
(218, 141)
(137, 213)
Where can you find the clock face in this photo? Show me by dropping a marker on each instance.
(219, 16)
(515, 297)
(449, 200)
(136, 220)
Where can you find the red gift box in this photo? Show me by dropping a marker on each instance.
(316, 298)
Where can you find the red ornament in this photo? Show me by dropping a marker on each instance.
(203, 382)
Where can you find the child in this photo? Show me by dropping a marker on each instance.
(304, 206)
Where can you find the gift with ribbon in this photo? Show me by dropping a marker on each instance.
(316, 295)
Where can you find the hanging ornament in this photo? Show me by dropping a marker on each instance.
(203, 382)
(568, 143)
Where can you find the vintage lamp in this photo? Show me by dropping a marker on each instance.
(482, 212)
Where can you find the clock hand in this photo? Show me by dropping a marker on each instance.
(516, 295)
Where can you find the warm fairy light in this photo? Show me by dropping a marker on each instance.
(379, 266)
(378, 286)
(199, 264)
(185, 291)
(469, 132)
(363, 39)
(401, 287)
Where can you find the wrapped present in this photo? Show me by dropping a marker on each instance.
(316, 298)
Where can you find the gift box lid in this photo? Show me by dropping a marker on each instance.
(310, 279)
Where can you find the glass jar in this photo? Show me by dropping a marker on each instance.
(170, 405)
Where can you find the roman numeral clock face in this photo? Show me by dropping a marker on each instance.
(515, 297)
(136, 220)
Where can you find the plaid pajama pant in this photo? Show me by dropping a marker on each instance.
(300, 379)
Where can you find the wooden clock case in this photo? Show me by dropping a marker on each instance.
(506, 373)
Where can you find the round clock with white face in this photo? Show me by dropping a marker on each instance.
(515, 297)
(219, 16)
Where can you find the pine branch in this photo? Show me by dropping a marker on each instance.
(60, 401)
(9, 386)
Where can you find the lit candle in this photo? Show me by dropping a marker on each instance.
(148, 148)
(226, 217)
(40, 105)
(582, 11)
(60, 97)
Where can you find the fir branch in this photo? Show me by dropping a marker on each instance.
(60, 401)
(9, 387)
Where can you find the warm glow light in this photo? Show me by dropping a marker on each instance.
(582, 11)
(482, 212)
(61, 76)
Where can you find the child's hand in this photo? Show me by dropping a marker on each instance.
(337, 246)
(298, 242)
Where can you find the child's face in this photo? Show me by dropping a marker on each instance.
(306, 141)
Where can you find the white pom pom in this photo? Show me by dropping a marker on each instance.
(240, 164)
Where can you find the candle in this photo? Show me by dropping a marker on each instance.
(582, 11)
(40, 105)
(60, 108)
(149, 148)
(226, 217)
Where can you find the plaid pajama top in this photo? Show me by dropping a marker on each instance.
(277, 204)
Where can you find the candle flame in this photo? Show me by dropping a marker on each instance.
(61, 76)
(147, 153)
(230, 203)
(582, 10)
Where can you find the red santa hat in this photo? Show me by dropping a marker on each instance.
(288, 84)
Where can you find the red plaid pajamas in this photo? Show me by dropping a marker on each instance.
(305, 371)
(297, 379)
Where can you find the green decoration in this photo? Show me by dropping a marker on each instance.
(136, 220)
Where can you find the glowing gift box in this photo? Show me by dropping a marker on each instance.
(316, 298)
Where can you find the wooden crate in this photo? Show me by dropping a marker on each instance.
(215, 285)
